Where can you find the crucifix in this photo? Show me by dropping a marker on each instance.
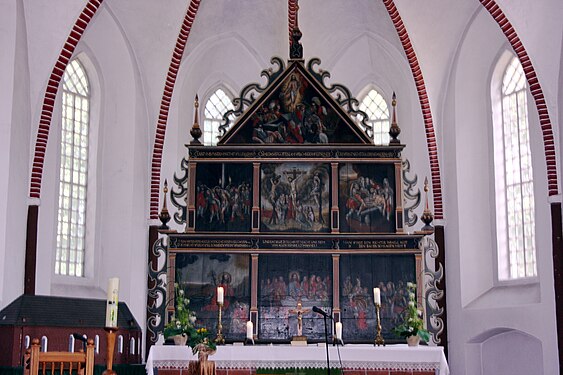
(299, 311)
(292, 177)
(294, 173)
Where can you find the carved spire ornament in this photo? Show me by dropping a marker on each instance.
(427, 216)
(394, 130)
(164, 215)
(196, 131)
(295, 47)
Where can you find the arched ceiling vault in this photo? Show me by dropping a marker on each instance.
(428, 30)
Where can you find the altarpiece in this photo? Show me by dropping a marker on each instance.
(294, 204)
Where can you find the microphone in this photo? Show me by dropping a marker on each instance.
(322, 312)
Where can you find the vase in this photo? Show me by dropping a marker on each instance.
(413, 340)
(180, 339)
(203, 352)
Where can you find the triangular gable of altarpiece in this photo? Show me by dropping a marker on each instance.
(295, 108)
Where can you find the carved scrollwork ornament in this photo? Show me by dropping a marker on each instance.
(433, 274)
(411, 196)
(250, 93)
(156, 307)
(343, 97)
(179, 193)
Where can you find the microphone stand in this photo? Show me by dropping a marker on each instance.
(326, 345)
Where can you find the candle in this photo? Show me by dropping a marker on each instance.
(220, 295)
(338, 330)
(376, 296)
(112, 300)
(249, 330)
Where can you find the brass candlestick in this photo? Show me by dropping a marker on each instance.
(378, 338)
(220, 340)
(110, 348)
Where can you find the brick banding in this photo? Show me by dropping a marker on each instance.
(291, 16)
(51, 91)
(535, 89)
(165, 104)
(424, 106)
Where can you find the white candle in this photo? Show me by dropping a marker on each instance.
(220, 294)
(112, 302)
(249, 330)
(376, 296)
(338, 330)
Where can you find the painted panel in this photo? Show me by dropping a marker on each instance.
(359, 274)
(283, 282)
(295, 197)
(200, 275)
(295, 113)
(223, 197)
(367, 197)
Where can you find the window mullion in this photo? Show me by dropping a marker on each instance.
(521, 198)
(505, 186)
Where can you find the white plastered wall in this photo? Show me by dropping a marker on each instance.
(118, 178)
(15, 133)
(477, 302)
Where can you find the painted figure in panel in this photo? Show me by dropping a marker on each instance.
(295, 197)
(367, 200)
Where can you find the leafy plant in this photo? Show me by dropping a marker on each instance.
(183, 320)
(413, 324)
(201, 337)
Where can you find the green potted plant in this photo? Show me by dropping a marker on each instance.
(181, 325)
(412, 327)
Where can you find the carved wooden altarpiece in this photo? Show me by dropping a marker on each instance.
(295, 203)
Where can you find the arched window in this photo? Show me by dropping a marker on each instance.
(215, 107)
(514, 186)
(73, 176)
(375, 106)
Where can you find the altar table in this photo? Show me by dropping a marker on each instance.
(356, 359)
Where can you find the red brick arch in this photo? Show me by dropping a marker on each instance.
(51, 94)
(291, 16)
(424, 106)
(173, 68)
(535, 88)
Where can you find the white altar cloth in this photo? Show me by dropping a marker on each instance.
(397, 357)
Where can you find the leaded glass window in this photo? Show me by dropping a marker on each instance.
(375, 106)
(73, 176)
(514, 179)
(215, 107)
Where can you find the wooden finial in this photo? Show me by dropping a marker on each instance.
(394, 130)
(164, 215)
(196, 130)
(295, 47)
(427, 216)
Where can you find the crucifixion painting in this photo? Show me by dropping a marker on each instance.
(295, 197)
